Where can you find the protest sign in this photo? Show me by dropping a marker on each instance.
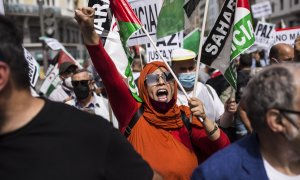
(34, 67)
(262, 9)
(1, 7)
(52, 43)
(147, 12)
(165, 45)
(287, 35)
(264, 34)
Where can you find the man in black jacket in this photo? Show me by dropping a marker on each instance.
(40, 139)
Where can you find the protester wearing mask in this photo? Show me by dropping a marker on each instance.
(85, 98)
(64, 91)
(155, 128)
(184, 66)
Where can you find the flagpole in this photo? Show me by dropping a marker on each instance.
(141, 60)
(200, 47)
(165, 61)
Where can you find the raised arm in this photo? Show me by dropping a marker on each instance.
(120, 98)
(208, 139)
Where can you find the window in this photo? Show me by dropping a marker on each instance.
(70, 4)
(11, 1)
(50, 2)
(273, 6)
(281, 4)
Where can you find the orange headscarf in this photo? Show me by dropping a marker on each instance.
(172, 118)
(152, 135)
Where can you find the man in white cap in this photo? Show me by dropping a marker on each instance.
(184, 66)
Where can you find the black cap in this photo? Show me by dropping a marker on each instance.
(65, 66)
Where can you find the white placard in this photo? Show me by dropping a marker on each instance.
(147, 11)
(52, 43)
(287, 35)
(165, 45)
(264, 33)
(262, 9)
(1, 7)
(34, 68)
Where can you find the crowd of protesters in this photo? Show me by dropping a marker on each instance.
(91, 127)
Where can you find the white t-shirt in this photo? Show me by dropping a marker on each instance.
(100, 107)
(213, 106)
(273, 174)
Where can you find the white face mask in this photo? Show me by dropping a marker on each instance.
(135, 75)
(68, 82)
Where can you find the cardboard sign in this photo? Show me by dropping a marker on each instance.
(52, 43)
(165, 45)
(262, 9)
(147, 11)
(1, 7)
(34, 68)
(287, 35)
(264, 34)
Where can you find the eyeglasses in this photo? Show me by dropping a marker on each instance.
(82, 82)
(153, 79)
(283, 111)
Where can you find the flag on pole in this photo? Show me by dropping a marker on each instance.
(190, 6)
(192, 40)
(127, 20)
(34, 68)
(234, 29)
(52, 78)
(1, 7)
(171, 18)
(115, 22)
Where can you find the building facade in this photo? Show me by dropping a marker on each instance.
(212, 15)
(25, 13)
(286, 10)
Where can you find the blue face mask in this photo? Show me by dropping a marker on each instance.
(187, 80)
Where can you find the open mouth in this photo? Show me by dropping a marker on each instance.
(162, 95)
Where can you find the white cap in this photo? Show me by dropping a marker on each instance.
(182, 55)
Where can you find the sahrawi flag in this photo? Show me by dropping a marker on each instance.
(172, 15)
(52, 77)
(115, 22)
(234, 29)
(171, 18)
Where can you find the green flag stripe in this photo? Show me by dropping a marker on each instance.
(127, 29)
(243, 36)
(50, 89)
(171, 18)
(230, 76)
(192, 40)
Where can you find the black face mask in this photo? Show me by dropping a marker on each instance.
(82, 91)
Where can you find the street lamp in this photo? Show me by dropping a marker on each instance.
(41, 15)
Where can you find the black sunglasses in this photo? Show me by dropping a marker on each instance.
(153, 79)
(283, 111)
(82, 82)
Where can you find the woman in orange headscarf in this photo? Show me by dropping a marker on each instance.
(160, 135)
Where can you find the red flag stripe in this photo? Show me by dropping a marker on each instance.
(123, 11)
(244, 4)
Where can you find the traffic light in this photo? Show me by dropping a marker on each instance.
(49, 22)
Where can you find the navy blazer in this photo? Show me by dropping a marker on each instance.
(240, 160)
